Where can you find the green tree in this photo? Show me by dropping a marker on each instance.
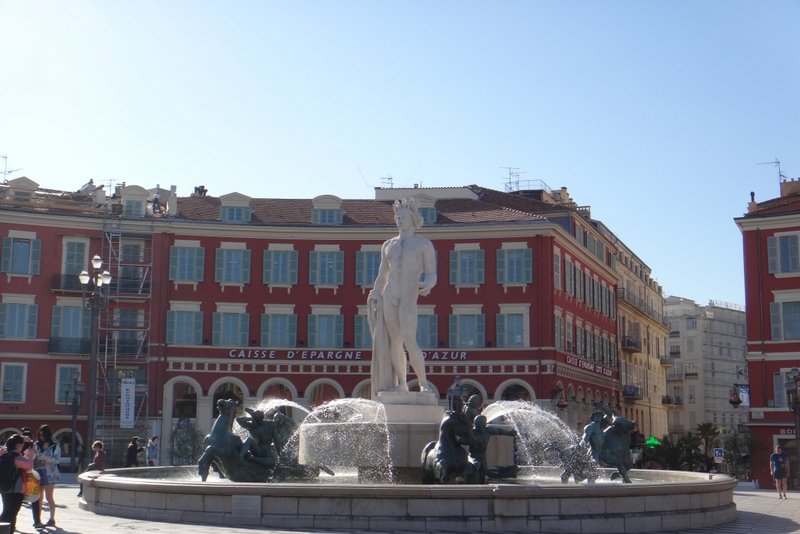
(689, 445)
(737, 453)
(709, 433)
(669, 454)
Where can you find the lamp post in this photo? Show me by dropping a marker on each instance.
(92, 295)
(77, 390)
(793, 402)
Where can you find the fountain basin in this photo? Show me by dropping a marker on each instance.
(658, 501)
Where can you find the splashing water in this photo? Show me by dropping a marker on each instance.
(540, 434)
(348, 433)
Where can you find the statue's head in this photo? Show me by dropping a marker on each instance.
(480, 422)
(408, 205)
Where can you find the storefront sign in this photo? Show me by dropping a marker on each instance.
(287, 354)
(590, 366)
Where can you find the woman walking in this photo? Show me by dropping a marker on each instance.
(12, 500)
(48, 456)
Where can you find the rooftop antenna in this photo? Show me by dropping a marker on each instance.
(6, 172)
(777, 165)
(388, 182)
(513, 178)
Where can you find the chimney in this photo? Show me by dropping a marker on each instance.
(790, 187)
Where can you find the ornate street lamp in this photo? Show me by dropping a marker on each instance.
(93, 296)
(77, 391)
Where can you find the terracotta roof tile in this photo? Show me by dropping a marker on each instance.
(777, 206)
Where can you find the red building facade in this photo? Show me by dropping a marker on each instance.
(770, 234)
(250, 298)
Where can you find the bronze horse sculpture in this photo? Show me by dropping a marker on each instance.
(221, 449)
(445, 461)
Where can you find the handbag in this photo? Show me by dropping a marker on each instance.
(32, 486)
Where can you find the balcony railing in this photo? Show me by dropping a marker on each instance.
(631, 344)
(67, 282)
(641, 304)
(631, 392)
(666, 361)
(70, 345)
(671, 400)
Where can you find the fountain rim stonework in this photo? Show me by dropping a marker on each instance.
(687, 500)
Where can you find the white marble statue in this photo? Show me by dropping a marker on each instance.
(392, 303)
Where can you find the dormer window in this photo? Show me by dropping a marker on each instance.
(327, 210)
(234, 214)
(133, 208)
(428, 215)
(134, 201)
(327, 216)
(235, 209)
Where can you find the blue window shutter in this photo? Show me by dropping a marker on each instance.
(339, 322)
(453, 320)
(219, 266)
(171, 326)
(244, 329)
(794, 253)
(36, 255)
(339, 216)
(293, 266)
(453, 267)
(198, 328)
(291, 336)
(481, 337)
(315, 216)
(200, 259)
(216, 328)
(528, 260)
(501, 330)
(360, 274)
(223, 213)
(312, 330)
(313, 268)
(359, 331)
(265, 339)
(33, 316)
(501, 266)
(433, 330)
(246, 266)
(480, 265)
(772, 254)
(3, 319)
(173, 262)
(55, 327)
(776, 321)
(6, 263)
(248, 214)
(267, 266)
(339, 268)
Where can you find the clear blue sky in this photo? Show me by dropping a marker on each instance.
(657, 114)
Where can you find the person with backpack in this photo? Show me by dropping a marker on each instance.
(13, 466)
(48, 456)
(132, 454)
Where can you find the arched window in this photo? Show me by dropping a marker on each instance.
(184, 404)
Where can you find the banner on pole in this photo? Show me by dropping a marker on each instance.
(127, 403)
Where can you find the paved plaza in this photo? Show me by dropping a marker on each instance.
(760, 511)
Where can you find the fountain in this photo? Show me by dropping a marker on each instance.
(297, 482)
(343, 498)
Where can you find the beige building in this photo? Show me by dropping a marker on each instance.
(642, 333)
(707, 344)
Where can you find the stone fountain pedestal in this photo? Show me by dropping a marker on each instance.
(412, 421)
